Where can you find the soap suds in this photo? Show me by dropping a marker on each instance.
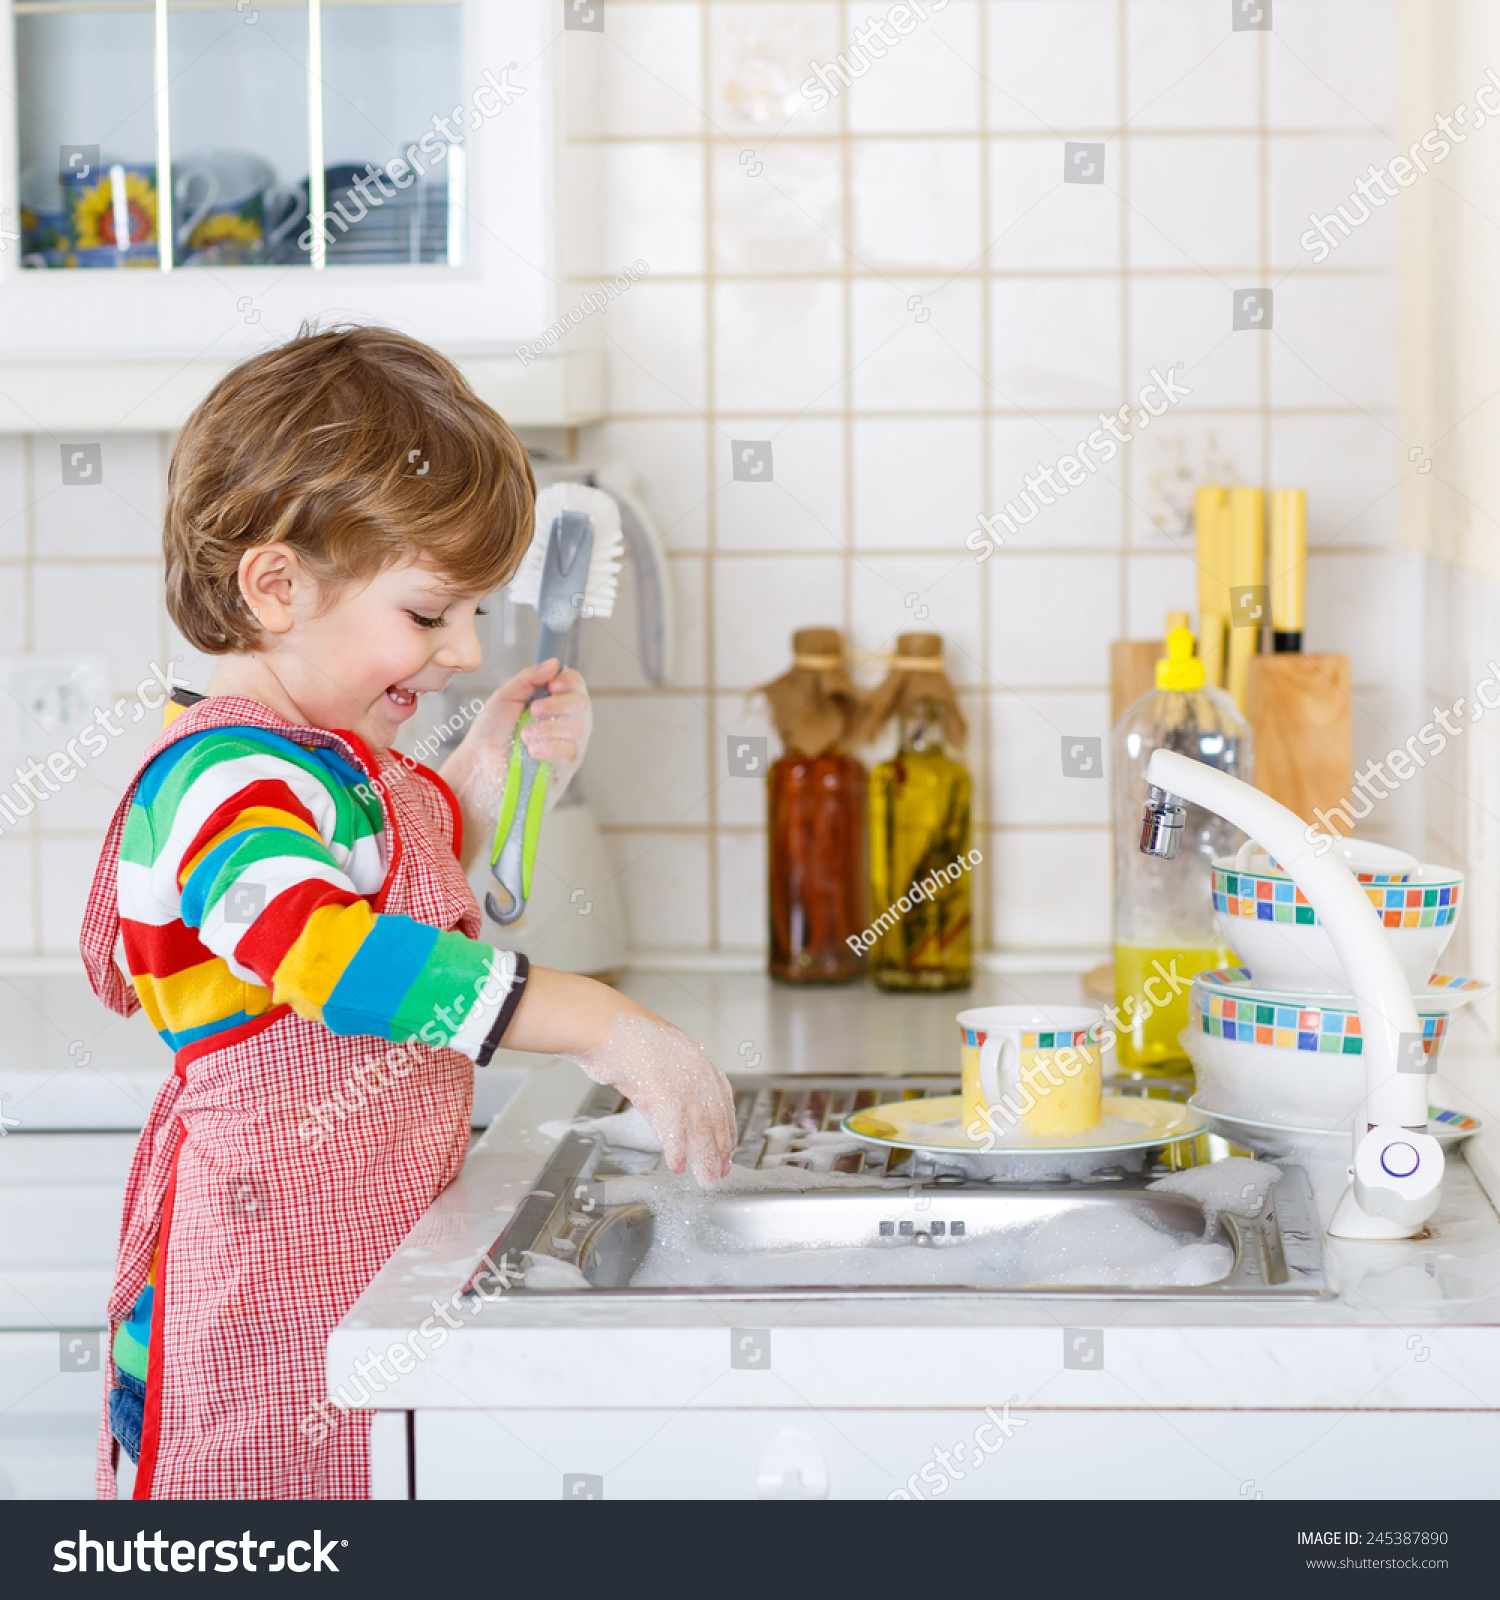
(1233, 1184)
(547, 1272)
(1111, 1246)
(623, 1130)
(670, 1080)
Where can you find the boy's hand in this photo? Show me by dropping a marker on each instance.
(560, 723)
(668, 1077)
(665, 1074)
(558, 733)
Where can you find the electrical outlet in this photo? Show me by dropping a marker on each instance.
(49, 699)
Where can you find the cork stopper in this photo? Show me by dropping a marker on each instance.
(912, 648)
(818, 649)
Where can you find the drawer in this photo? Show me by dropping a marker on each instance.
(878, 1454)
(60, 1198)
(51, 1391)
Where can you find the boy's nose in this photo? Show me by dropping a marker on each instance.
(460, 650)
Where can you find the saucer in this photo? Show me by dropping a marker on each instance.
(936, 1125)
(1447, 1127)
(1444, 993)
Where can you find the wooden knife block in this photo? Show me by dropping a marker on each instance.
(1300, 714)
(1132, 672)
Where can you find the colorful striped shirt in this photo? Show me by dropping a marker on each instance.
(248, 867)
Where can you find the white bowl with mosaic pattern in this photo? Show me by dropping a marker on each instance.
(1295, 1059)
(1265, 920)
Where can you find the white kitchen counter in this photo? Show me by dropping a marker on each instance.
(1401, 1369)
(69, 1064)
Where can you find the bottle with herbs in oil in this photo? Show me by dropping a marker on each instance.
(920, 860)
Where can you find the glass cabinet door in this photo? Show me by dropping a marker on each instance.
(181, 134)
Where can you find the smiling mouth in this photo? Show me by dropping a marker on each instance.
(405, 698)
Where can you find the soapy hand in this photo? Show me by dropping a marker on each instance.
(668, 1077)
(560, 725)
(558, 733)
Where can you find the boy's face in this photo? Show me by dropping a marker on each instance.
(361, 660)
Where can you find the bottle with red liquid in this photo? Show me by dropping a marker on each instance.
(816, 818)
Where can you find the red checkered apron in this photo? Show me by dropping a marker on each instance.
(264, 1240)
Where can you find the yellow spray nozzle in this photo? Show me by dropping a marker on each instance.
(1179, 668)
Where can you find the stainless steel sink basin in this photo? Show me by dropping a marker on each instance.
(1277, 1249)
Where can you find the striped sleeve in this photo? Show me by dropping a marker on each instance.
(260, 846)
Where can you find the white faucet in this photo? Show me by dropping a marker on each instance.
(1397, 1173)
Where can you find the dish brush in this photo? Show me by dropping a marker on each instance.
(570, 573)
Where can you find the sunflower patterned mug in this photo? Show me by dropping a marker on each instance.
(1044, 1062)
(103, 228)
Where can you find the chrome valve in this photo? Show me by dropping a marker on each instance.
(1162, 823)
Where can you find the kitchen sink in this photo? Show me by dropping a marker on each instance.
(1272, 1249)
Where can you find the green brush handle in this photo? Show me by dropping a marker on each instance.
(518, 829)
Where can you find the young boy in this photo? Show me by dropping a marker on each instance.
(291, 904)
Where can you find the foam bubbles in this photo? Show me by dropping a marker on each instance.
(1233, 1184)
(1108, 1245)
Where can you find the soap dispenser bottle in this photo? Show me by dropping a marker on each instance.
(1164, 912)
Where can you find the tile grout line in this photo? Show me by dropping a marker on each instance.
(727, 140)
(846, 335)
(982, 925)
(163, 462)
(1263, 43)
(898, 270)
(1126, 566)
(707, 261)
(33, 829)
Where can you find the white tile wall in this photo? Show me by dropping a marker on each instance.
(902, 295)
(79, 574)
(1463, 789)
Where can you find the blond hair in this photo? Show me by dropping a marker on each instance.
(357, 447)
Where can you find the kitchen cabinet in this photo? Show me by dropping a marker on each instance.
(878, 1453)
(187, 181)
(59, 1221)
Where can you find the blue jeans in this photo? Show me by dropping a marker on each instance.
(127, 1411)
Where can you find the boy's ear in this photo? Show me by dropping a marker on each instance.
(272, 577)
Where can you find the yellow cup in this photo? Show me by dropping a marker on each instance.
(1040, 1066)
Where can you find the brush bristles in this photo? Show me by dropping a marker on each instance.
(609, 546)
